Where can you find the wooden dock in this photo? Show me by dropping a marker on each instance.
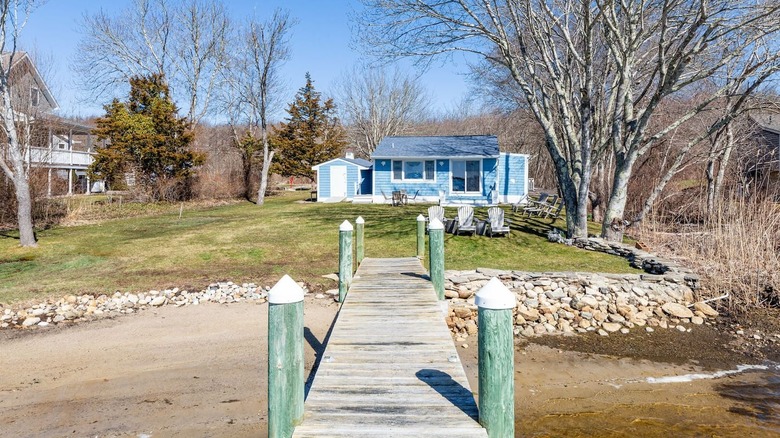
(390, 368)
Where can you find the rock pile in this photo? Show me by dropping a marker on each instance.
(72, 308)
(640, 259)
(580, 302)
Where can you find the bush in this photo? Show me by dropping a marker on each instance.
(735, 251)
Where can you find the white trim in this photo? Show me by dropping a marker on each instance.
(422, 180)
(318, 185)
(467, 193)
(339, 159)
(436, 157)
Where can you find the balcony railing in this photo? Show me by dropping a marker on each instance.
(60, 158)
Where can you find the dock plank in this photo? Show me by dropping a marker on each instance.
(390, 368)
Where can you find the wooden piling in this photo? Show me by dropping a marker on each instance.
(496, 359)
(285, 358)
(359, 236)
(345, 259)
(420, 236)
(436, 252)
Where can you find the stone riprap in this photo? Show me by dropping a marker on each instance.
(640, 259)
(571, 302)
(79, 308)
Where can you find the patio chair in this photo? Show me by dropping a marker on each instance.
(436, 212)
(554, 212)
(517, 206)
(466, 220)
(496, 222)
(535, 204)
(408, 199)
(387, 198)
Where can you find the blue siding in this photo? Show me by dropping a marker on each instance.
(513, 174)
(355, 183)
(383, 182)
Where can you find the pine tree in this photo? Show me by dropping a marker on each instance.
(146, 136)
(312, 135)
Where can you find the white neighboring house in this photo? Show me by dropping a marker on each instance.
(62, 146)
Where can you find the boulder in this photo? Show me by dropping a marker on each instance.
(677, 310)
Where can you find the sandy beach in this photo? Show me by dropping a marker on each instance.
(201, 371)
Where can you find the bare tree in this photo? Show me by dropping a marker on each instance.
(253, 89)
(185, 40)
(377, 103)
(16, 112)
(593, 74)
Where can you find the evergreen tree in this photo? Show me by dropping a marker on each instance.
(146, 136)
(312, 134)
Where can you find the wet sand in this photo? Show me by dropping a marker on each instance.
(201, 371)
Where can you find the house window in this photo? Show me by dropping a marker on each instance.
(35, 96)
(62, 146)
(414, 170)
(466, 176)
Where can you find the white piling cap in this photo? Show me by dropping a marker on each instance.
(345, 226)
(285, 291)
(420, 218)
(436, 224)
(360, 220)
(494, 295)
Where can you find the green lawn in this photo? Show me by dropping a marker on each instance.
(243, 242)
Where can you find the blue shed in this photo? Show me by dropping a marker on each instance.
(465, 169)
(343, 178)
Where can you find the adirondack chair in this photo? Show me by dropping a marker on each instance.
(517, 206)
(466, 220)
(535, 204)
(496, 222)
(540, 208)
(435, 212)
(554, 212)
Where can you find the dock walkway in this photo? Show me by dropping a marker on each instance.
(390, 367)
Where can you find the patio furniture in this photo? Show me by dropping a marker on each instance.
(554, 212)
(517, 206)
(496, 222)
(535, 204)
(466, 220)
(436, 212)
(400, 198)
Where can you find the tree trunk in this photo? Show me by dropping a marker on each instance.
(246, 159)
(612, 227)
(268, 156)
(24, 211)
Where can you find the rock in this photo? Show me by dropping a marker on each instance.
(157, 301)
(698, 320)
(529, 315)
(319, 296)
(449, 293)
(649, 329)
(43, 324)
(602, 332)
(677, 310)
(611, 327)
(462, 312)
(471, 327)
(705, 309)
(32, 320)
(680, 328)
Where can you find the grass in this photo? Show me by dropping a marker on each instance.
(243, 242)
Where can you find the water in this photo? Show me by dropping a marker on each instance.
(744, 402)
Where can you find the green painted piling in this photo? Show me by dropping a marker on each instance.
(345, 259)
(285, 358)
(496, 359)
(359, 236)
(420, 236)
(436, 260)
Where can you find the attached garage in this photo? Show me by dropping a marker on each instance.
(343, 178)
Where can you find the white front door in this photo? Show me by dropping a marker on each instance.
(338, 181)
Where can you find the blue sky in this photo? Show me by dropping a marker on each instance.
(320, 44)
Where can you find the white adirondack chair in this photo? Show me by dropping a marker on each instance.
(496, 222)
(466, 220)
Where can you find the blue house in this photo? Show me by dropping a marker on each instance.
(439, 169)
(343, 178)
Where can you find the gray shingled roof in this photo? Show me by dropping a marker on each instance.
(437, 146)
(359, 162)
(768, 121)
